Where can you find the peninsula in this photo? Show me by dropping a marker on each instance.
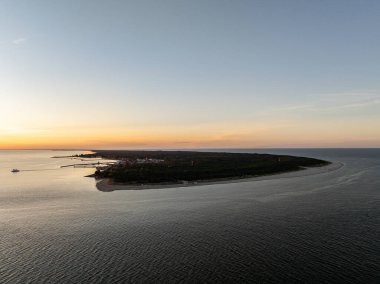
(135, 168)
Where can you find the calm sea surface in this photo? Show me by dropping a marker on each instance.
(56, 227)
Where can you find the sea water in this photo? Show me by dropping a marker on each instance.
(56, 227)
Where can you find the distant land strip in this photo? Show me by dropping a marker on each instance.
(164, 168)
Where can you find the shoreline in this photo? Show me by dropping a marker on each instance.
(107, 185)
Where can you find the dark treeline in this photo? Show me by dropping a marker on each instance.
(192, 166)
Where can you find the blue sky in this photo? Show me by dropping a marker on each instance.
(201, 73)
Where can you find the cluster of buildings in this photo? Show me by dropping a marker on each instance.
(128, 161)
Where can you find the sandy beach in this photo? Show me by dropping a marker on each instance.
(108, 185)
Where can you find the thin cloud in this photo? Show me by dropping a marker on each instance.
(353, 105)
(17, 130)
(346, 101)
(20, 40)
(329, 102)
(294, 107)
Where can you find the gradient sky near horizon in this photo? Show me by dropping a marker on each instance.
(183, 74)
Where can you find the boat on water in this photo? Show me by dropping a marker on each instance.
(15, 171)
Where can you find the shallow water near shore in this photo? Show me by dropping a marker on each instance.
(55, 226)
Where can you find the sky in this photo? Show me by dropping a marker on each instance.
(189, 74)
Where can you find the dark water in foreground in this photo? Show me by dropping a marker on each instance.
(55, 227)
